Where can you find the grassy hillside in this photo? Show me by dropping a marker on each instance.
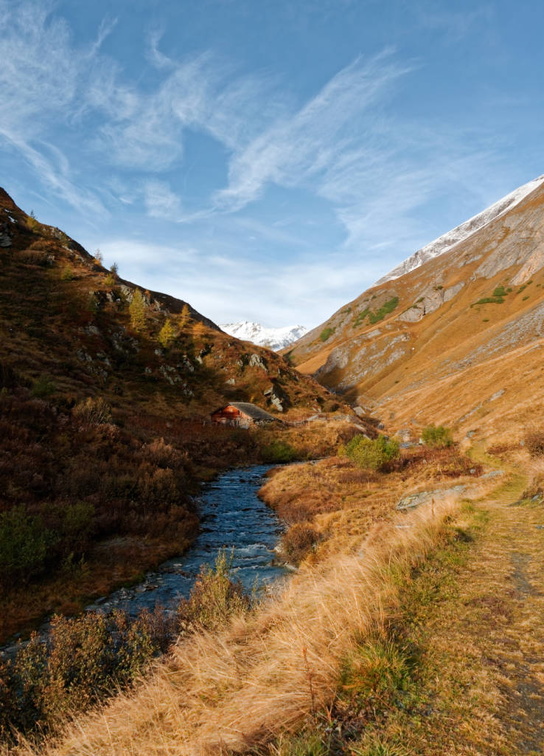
(456, 341)
(105, 394)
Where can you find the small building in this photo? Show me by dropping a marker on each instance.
(242, 415)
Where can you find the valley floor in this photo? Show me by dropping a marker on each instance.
(480, 630)
(486, 642)
(455, 668)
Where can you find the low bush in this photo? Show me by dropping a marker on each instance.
(215, 597)
(437, 436)
(299, 541)
(92, 411)
(279, 451)
(326, 333)
(24, 546)
(371, 454)
(81, 661)
(534, 442)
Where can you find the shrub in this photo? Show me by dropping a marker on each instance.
(92, 411)
(43, 387)
(534, 441)
(326, 333)
(67, 274)
(371, 454)
(299, 540)
(77, 525)
(278, 451)
(79, 662)
(24, 545)
(214, 597)
(437, 436)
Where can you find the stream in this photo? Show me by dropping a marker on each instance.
(233, 518)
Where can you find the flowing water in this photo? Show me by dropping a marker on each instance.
(233, 518)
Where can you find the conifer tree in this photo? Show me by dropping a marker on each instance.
(184, 316)
(199, 329)
(137, 311)
(167, 334)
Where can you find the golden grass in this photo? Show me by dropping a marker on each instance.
(341, 501)
(268, 673)
(481, 688)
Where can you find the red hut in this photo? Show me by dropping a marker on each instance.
(242, 415)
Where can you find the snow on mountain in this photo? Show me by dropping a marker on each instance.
(462, 232)
(272, 338)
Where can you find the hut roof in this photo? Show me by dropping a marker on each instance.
(251, 410)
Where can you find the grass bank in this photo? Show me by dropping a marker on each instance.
(269, 673)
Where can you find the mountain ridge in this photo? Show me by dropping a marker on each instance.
(462, 232)
(272, 338)
(443, 340)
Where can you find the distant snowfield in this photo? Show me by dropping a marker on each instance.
(271, 338)
(462, 232)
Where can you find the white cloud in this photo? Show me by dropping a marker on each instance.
(297, 149)
(160, 201)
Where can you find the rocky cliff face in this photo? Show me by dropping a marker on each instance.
(443, 340)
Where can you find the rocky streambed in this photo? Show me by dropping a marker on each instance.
(232, 518)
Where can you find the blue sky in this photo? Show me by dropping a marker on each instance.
(266, 159)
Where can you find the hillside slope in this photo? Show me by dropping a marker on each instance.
(457, 340)
(66, 319)
(105, 394)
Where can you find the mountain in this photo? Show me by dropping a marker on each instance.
(271, 338)
(67, 319)
(456, 339)
(106, 391)
(462, 232)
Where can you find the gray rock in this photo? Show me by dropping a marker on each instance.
(256, 361)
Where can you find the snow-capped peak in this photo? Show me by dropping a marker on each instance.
(462, 232)
(271, 338)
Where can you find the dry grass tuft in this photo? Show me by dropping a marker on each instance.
(271, 671)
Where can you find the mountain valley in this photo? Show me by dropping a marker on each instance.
(407, 472)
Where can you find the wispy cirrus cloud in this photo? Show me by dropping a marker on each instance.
(161, 201)
(309, 142)
(68, 108)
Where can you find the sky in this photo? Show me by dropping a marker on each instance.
(266, 160)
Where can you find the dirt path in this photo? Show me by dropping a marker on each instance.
(487, 641)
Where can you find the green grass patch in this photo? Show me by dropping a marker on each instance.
(498, 296)
(501, 291)
(488, 300)
(375, 317)
(360, 317)
(385, 309)
(326, 333)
